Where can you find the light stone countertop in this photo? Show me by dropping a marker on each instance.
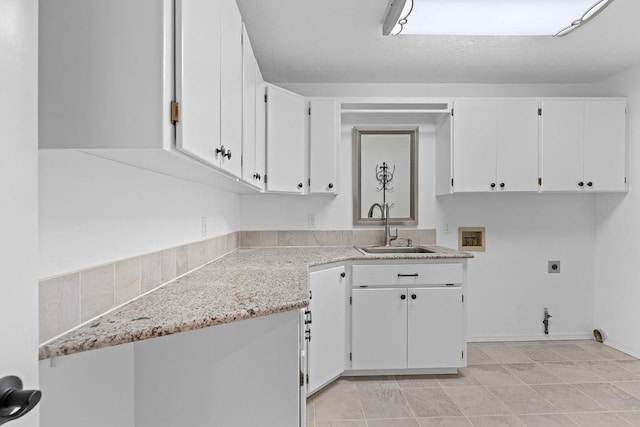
(247, 283)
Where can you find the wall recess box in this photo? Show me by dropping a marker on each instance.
(471, 239)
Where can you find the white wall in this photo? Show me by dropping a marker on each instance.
(617, 243)
(18, 192)
(509, 283)
(94, 211)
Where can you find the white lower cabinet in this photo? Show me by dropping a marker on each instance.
(238, 374)
(379, 328)
(415, 328)
(435, 336)
(326, 323)
(408, 316)
(385, 318)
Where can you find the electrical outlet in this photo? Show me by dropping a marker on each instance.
(204, 226)
(312, 221)
(554, 267)
(445, 228)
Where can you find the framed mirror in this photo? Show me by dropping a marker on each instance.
(385, 170)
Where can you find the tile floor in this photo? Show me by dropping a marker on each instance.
(552, 383)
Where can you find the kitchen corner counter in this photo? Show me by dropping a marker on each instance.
(247, 283)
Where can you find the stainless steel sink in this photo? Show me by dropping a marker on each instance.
(395, 250)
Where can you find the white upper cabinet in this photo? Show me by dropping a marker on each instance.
(474, 146)
(562, 136)
(584, 145)
(495, 146)
(517, 146)
(605, 147)
(285, 141)
(261, 130)
(102, 90)
(163, 95)
(249, 66)
(230, 153)
(324, 135)
(198, 78)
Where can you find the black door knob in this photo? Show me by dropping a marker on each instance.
(414, 296)
(590, 184)
(493, 185)
(221, 150)
(581, 184)
(502, 185)
(403, 297)
(330, 185)
(300, 185)
(343, 274)
(14, 401)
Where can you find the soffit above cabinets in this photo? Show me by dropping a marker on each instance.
(336, 41)
(376, 113)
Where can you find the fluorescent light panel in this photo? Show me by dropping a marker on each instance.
(493, 17)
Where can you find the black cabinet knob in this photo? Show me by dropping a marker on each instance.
(343, 274)
(493, 185)
(590, 184)
(502, 185)
(221, 150)
(403, 297)
(300, 185)
(228, 155)
(581, 184)
(414, 296)
(330, 185)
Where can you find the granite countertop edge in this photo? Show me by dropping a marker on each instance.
(220, 292)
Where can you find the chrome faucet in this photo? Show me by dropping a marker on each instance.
(384, 211)
(373, 206)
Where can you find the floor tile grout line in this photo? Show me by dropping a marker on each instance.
(409, 404)
(499, 400)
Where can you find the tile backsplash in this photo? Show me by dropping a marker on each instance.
(67, 301)
(71, 299)
(331, 237)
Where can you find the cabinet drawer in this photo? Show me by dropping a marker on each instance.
(407, 274)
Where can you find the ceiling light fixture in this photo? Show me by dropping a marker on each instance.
(396, 17)
(489, 17)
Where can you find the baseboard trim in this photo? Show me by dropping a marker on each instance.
(541, 337)
(623, 348)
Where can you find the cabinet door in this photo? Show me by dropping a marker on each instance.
(198, 78)
(326, 349)
(248, 110)
(261, 128)
(231, 86)
(517, 146)
(435, 328)
(474, 146)
(285, 141)
(379, 328)
(605, 134)
(562, 140)
(324, 133)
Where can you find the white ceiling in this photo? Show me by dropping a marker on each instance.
(340, 41)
